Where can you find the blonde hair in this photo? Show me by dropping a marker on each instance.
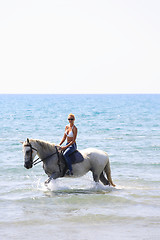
(71, 115)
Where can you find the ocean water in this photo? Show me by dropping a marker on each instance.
(127, 127)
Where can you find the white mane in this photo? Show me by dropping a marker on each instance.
(46, 146)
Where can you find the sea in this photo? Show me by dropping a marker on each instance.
(126, 126)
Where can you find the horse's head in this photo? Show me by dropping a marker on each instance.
(29, 154)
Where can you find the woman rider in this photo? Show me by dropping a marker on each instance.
(70, 134)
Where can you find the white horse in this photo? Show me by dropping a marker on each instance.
(96, 161)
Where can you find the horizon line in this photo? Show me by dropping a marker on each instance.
(79, 93)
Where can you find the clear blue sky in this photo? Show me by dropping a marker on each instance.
(87, 46)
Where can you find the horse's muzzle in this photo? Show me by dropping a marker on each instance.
(28, 165)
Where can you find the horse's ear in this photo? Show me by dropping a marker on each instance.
(27, 140)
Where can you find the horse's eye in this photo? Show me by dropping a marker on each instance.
(28, 151)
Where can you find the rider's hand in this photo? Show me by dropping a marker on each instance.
(63, 148)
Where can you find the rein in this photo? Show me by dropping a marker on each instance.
(35, 162)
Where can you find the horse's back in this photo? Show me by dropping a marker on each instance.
(94, 154)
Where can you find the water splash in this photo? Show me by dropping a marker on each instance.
(70, 186)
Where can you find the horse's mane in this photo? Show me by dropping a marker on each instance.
(44, 144)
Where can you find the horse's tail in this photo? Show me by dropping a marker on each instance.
(107, 170)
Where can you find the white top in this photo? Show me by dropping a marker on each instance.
(70, 134)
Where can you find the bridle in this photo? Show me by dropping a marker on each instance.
(35, 162)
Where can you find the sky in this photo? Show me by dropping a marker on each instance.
(85, 46)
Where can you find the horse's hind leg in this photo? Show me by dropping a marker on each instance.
(95, 177)
(103, 179)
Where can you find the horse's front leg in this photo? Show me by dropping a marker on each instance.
(53, 176)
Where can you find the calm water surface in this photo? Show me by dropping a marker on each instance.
(126, 126)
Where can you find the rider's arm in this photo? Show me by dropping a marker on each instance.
(64, 137)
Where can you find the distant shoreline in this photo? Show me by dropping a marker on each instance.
(65, 94)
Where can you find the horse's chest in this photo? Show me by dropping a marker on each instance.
(47, 168)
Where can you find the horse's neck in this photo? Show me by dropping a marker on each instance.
(43, 148)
